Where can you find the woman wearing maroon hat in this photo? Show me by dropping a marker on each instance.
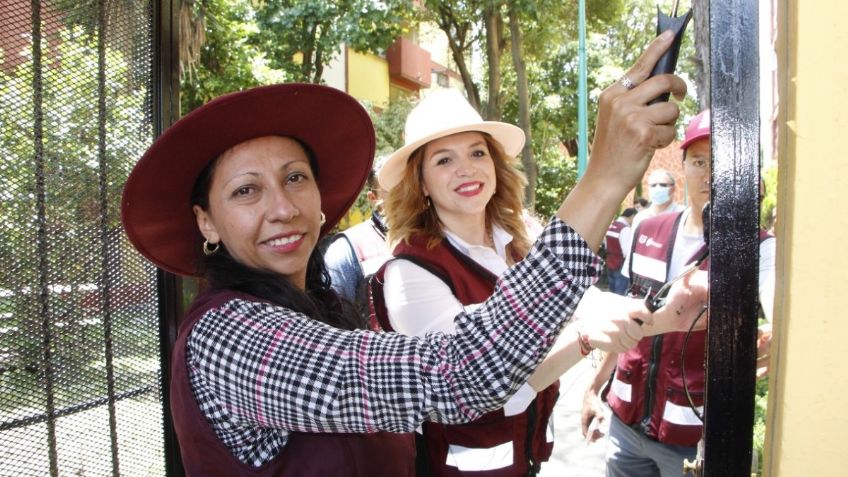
(270, 376)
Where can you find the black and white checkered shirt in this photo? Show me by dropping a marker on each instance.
(260, 371)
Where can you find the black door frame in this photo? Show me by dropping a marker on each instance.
(734, 238)
(166, 110)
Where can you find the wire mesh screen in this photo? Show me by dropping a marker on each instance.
(80, 384)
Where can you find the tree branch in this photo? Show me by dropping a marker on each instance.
(527, 159)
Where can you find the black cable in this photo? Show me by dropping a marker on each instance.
(683, 365)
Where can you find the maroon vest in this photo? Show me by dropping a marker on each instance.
(615, 256)
(647, 390)
(305, 454)
(472, 283)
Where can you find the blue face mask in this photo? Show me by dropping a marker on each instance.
(660, 195)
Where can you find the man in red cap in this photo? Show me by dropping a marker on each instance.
(653, 427)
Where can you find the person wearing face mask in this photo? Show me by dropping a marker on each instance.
(661, 187)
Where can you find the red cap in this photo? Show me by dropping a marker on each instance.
(699, 127)
(156, 209)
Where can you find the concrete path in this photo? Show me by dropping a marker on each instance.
(573, 456)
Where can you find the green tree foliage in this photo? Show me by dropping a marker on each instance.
(768, 205)
(617, 33)
(460, 22)
(246, 43)
(300, 37)
(254, 42)
(71, 154)
(389, 125)
(228, 60)
(549, 44)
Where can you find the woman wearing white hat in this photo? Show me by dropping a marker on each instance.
(454, 209)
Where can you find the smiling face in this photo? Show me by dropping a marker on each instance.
(696, 171)
(459, 176)
(264, 206)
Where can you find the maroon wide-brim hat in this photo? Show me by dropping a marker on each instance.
(156, 209)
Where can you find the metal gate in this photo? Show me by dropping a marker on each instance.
(80, 381)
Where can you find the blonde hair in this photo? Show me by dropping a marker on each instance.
(409, 213)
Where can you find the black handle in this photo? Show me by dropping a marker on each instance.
(668, 61)
(654, 303)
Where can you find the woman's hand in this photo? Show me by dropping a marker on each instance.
(615, 323)
(607, 320)
(592, 417)
(763, 349)
(627, 132)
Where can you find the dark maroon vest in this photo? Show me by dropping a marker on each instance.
(305, 454)
(651, 374)
(647, 390)
(615, 256)
(472, 283)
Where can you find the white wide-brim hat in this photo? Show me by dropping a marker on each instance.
(442, 113)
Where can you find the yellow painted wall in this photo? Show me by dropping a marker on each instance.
(808, 422)
(368, 78)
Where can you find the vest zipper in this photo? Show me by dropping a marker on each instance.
(650, 388)
(656, 344)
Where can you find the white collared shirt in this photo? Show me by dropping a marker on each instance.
(419, 302)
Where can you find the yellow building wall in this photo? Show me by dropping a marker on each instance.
(368, 78)
(807, 426)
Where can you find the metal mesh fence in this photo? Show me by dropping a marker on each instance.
(80, 383)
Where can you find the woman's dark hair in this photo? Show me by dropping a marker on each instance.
(318, 301)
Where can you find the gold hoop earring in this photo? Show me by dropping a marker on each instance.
(210, 249)
(323, 218)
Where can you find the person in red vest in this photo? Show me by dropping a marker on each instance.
(271, 375)
(616, 241)
(653, 428)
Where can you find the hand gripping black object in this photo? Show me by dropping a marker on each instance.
(668, 61)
